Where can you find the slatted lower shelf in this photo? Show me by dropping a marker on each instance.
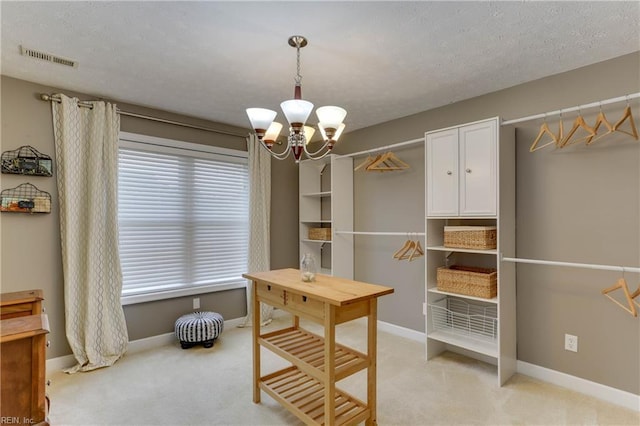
(306, 350)
(304, 396)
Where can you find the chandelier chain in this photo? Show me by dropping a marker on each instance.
(298, 76)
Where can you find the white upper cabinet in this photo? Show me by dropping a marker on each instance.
(442, 169)
(461, 171)
(478, 169)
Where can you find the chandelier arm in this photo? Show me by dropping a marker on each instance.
(310, 154)
(281, 156)
(327, 152)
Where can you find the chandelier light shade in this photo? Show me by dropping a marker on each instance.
(308, 133)
(272, 133)
(261, 119)
(297, 112)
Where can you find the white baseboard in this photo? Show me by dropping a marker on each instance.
(597, 390)
(60, 363)
(408, 333)
(135, 346)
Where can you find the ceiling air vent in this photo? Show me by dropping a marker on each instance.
(24, 51)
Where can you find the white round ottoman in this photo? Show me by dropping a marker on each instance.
(199, 327)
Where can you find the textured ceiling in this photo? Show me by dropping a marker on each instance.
(378, 60)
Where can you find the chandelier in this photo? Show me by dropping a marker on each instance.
(297, 111)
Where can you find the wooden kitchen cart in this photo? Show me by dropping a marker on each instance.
(307, 388)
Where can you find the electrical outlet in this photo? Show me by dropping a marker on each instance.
(571, 343)
(196, 303)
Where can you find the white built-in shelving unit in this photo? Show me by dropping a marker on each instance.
(470, 181)
(326, 201)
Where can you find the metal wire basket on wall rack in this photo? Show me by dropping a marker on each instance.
(25, 198)
(26, 160)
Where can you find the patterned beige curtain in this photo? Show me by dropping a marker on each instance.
(86, 142)
(259, 220)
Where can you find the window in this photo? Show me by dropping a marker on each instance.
(182, 216)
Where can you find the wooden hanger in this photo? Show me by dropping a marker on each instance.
(402, 250)
(635, 295)
(577, 124)
(600, 120)
(387, 162)
(417, 252)
(627, 114)
(623, 285)
(365, 163)
(379, 163)
(406, 253)
(544, 129)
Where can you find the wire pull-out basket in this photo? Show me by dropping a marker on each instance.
(457, 316)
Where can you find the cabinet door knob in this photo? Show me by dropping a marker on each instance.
(48, 343)
(449, 172)
(48, 382)
(468, 170)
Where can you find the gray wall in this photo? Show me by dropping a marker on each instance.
(30, 245)
(581, 204)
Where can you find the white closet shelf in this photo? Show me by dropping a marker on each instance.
(306, 240)
(317, 194)
(463, 250)
(316, 221)
(463, 296)
(485, 347)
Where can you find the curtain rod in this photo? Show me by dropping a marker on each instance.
(84, 104)
(382, 148)
(571, 109)
(573, 265)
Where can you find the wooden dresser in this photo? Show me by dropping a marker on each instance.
(23, 330)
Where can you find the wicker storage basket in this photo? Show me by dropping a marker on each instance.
(471, 237)
(468, 280)
(320, 234)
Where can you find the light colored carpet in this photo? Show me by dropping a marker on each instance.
(171, 386)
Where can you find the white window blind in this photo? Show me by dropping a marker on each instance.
(183, 219)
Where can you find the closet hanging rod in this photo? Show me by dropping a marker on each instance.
(84, 104)
(573, 265)
(405, 234)
(383, 148)
(571, 109)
